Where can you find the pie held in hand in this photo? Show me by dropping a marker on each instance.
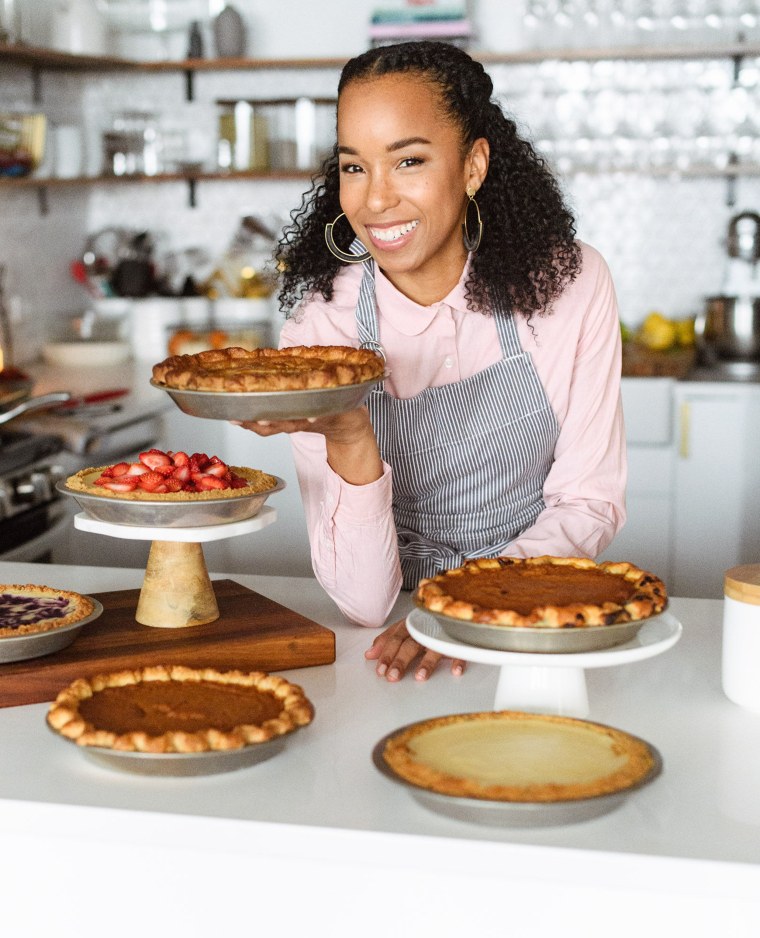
(544, 592)
(30, 608)
(163, 709)
(298, 368)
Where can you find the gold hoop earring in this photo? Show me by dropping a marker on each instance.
(472, 243)
(336, 251)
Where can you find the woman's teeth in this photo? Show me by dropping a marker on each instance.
(393, 234)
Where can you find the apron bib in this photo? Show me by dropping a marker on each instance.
(469, 459)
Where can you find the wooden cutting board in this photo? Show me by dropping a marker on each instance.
(251, 633)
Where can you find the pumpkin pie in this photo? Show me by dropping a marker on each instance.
(29, 608)
(518, 757)
(269, 369)
(544, 592)
(163, 709)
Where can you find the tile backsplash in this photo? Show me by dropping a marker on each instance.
(662, 235)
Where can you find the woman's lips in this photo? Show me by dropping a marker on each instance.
(392, 237)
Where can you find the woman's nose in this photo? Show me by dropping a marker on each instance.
(380, 194)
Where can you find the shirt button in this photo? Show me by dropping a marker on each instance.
(448, 362)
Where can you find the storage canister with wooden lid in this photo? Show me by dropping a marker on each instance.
(741, 636)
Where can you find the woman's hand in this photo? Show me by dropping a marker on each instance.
(395, 651)
(352, 450)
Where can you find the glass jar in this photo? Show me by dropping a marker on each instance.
(132, 145)
(741, 636)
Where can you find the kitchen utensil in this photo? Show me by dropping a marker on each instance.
(538, 640)
(744, 236)
(37, 644)
(270, 405)
(729, 329)
(180, 764)
(168, 514)
(33, 403)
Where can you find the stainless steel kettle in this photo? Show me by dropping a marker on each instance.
(729, 327)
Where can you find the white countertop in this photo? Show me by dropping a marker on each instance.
(366, 857)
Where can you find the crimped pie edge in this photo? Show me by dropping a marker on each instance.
(649, 599)
(261, 482)
(335, 366)
(64, 715)
(401, 761)
(83, 607)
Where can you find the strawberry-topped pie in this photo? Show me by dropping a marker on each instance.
(171, 476)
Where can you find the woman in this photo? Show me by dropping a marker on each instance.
(439, 236)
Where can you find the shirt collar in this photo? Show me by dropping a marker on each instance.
(408, 317)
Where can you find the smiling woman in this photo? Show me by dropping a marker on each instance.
(439, 237)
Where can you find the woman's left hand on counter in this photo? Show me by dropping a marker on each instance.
(397, 651)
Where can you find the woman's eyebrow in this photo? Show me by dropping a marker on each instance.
(398, 145)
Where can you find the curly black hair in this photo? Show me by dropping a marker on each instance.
(528, 252)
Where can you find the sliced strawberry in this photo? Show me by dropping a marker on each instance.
(136, 469)
(206, 483)
(214, 460)
(172, 484)
(166, 470)
(199, 461)
(118, 470)
(154, 457)
(182, 473)
(217, 469)
(121, 485)
(150, 481)
(180, 459)
(237, 482)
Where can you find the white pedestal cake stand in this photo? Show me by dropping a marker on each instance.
(177, 590)
(546, 683)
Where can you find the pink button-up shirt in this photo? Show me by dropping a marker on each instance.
(576, 352)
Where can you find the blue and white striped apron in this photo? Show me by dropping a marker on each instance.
(469, 459)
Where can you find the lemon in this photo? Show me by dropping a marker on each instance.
(657, 332)
(685, 331)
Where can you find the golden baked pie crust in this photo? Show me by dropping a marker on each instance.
(644, 593)
(79, 608)
(299, 368)
(258, 482)
(295, 710)
(398, 754)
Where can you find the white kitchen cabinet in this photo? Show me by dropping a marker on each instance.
(716, 503)
(647, 536)
(693, 481)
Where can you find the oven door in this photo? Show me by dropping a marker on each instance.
(41, 547)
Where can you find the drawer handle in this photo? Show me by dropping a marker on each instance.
(683, 430)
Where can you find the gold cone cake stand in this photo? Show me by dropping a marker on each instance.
(177, 591)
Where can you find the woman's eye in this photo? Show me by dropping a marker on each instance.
(411, 161)
(350, 168)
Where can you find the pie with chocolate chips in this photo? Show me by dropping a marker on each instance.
(29, 608)
(543, 592)
(518, 757)
(269, 369)
(163, 709)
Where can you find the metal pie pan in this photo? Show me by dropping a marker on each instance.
(537, 640)
(270, 405)
(179, 764)
(497, 813)
(171, 514)
(37, 644)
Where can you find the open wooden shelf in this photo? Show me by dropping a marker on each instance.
(43, 58)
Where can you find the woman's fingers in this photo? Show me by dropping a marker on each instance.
(395, 652)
